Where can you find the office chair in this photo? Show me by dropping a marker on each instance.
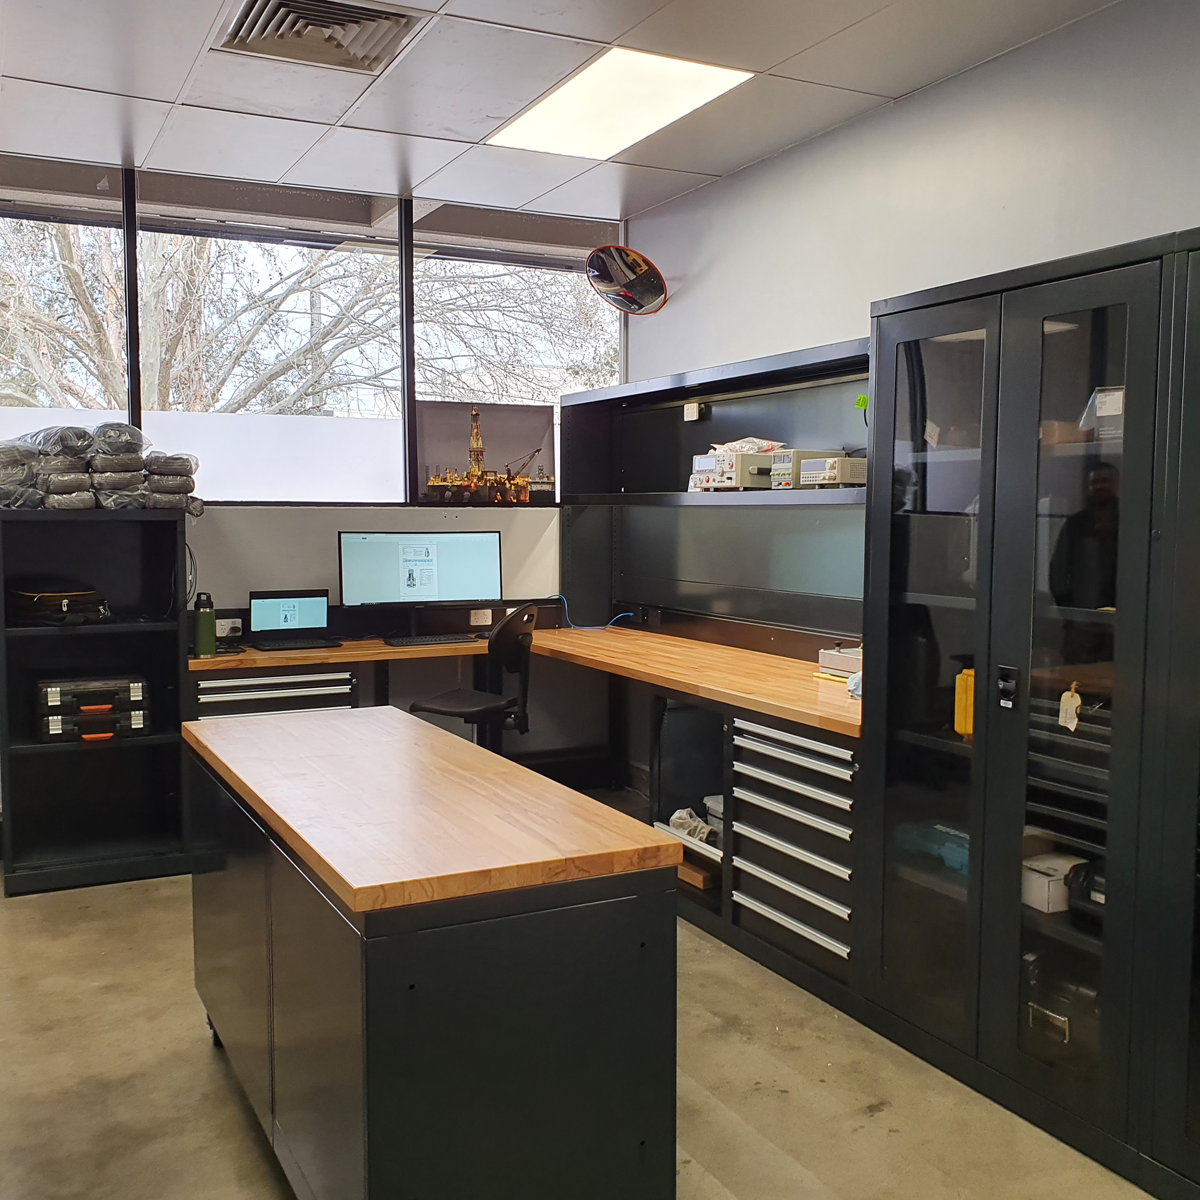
(489, 712)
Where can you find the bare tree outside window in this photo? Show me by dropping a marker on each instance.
(238, 326)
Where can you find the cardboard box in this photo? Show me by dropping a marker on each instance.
(1043, 879)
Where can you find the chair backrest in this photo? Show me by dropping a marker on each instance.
(508, 650)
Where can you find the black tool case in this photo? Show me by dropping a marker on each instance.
(94, 727)
(121, 693)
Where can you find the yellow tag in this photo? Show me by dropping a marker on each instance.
(1069, 705)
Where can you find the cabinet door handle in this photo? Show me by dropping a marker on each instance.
(1059, 1022)
(1006, 685)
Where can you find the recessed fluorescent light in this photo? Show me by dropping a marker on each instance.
(624, 96)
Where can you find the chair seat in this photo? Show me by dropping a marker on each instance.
(465, 703)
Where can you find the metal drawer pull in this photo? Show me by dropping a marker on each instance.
(805, 856)
(799, 760)
(208, 685)
(266, 712)
(786, 885)
(794, 740)
(1053, 1019)
(795, 814)
(801, 789)
(342, 689)
(691, 843)
(797, 927)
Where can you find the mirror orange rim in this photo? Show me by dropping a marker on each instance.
(614, 291)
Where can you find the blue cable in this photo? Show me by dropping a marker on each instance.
(571, 624)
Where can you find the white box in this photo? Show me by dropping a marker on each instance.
(1043, 881)
(846, 659)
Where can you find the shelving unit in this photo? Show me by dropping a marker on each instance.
(751, 497)
(76, 813)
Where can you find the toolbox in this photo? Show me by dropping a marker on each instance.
(120, 693)
(93, 727)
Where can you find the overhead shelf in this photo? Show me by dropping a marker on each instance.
(752, 497)
(56, 631)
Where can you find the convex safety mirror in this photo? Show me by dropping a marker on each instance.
(627, 280)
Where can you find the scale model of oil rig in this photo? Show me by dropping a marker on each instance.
(481, 486)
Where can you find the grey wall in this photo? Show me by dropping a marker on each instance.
(1084, 139)
(239, 548)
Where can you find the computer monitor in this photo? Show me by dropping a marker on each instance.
(288, 612)
(420, 568)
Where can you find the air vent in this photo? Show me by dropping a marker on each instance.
(329, 34)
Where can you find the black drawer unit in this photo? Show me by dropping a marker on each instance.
(239, 695)
(791, 833)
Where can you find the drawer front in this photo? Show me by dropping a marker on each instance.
(237, 696)
(792, 827)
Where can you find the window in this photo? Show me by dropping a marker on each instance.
(62, 324)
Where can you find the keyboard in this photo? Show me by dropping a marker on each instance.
(430, 639)
(297, 644)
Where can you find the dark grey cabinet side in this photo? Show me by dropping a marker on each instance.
(231, 931)
(317, 1015)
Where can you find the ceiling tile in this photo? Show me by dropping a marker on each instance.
(463, 80)
(134, 47)
(761, 117)
(498, 177)
(58, 122)
(613, 191)
(364, 160)
(271, 87)
(753, 35)
(602, 20)
(204, 141)
(913, 43)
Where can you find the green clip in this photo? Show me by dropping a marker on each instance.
(861, 401)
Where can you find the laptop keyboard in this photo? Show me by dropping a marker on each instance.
(297, 644)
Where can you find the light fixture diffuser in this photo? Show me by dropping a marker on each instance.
(623, 97)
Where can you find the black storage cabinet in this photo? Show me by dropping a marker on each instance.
(86, 813)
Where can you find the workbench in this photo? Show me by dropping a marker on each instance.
(435, 973)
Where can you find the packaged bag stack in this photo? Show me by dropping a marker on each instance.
(17, 475)
(172, 480)
(118, 466)
(61, 468)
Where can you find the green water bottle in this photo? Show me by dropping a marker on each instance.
(206, 626)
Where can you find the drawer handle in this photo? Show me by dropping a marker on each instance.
(805, 856)
(795, 889)
(797, 927)
(1053, 1019)
(795, 814)
(690, 842)
(799, 760)
(801, 789)
(342, 689)
(793, 739)
(205, 685)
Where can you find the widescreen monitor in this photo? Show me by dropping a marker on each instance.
(420, 568)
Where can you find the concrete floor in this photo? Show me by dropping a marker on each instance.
(111, 1087)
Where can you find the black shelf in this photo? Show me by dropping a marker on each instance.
(753, 497)
(67, 855)
(943, 742)
(43, 631)
(119, 515)
(1061, 928)
(151, 739)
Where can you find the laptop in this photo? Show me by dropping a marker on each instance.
(296, 620)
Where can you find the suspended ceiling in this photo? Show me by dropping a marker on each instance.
(139, 82)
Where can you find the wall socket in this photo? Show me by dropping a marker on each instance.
(231, 627)
(481, 616)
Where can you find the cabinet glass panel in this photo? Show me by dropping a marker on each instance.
(1071, 689)
(936, 487)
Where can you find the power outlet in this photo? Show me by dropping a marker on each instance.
(231, 627)
(481, 616)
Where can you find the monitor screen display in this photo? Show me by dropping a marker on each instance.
(419, 568)
(271, 612)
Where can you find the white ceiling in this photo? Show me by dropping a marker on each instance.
(138, 82)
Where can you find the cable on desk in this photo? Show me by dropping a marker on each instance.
(571, 624)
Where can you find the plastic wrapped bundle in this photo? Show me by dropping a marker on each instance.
(71, 441)
(158, 463)
(20, 496)
(167, 500)
(65, 484)
(117, 437)
(107, 463)
(59, 464)
(175, 485)
(17, 475)
(72, 500)
(19, 452)
(130, 497)
(117, 481)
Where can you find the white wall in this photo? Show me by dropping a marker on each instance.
(238, 548)
(1084, 139)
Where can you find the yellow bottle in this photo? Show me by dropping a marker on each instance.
(964, 702)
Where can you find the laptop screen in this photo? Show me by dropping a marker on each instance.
(283, 612)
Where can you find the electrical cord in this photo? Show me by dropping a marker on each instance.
(193, 572)
(571, 624)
